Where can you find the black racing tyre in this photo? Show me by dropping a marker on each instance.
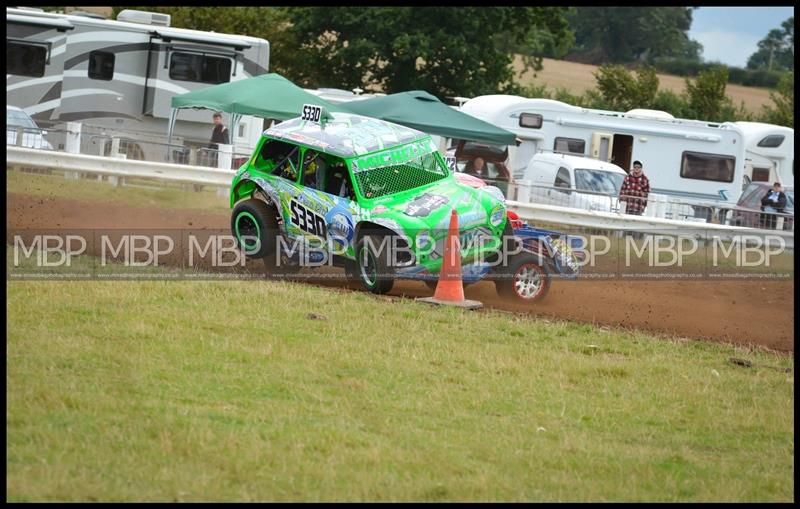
(524, 280)
(374, 270)
(255, 227)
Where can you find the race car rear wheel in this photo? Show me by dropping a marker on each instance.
(524, 279)
(374, 269)
(255, 227)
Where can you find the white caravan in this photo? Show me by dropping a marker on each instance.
(121, 75)
(769, 155)
(686, 160)
(569, 181)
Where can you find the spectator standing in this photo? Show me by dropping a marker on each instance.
(774, 202)
(634, 191)
(218, 135)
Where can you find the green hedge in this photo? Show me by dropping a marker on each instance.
(737, 75)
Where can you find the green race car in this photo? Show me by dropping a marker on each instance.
(372, 197)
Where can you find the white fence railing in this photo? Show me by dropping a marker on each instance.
(623, 222)
(132, 145)
(80, 163)
(98, 165)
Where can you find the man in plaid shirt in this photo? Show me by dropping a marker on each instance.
(634, 191)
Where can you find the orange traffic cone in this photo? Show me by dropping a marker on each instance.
(450, 288)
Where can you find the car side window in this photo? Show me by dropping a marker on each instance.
(289, 168)
(754, 199)
(279, 158)
(751, 198)
(337, 180)
(562, 178)
(314, 169)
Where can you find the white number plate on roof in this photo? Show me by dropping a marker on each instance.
(311, 113)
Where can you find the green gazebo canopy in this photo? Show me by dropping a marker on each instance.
(422, 111)
(266, 96)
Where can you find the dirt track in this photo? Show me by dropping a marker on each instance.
(740, 312)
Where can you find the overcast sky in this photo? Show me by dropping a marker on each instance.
(731, 34)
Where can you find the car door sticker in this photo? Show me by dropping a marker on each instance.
(307, 220)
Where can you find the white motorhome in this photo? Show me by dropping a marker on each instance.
(769, 155)
(569, 181)
(687, 160)
(119, 76)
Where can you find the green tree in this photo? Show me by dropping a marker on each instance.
(706, 95)
(622, 91)
(442, 50)
(783, 111)
(672, 103)
(627, 34)
(538, 43)
(776, 50)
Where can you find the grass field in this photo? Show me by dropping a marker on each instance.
(242, 391)
(145, 194)
(578, 78)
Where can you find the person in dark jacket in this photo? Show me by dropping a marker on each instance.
(634, 191)
(773, 202)
(218, 135)
(220, 132)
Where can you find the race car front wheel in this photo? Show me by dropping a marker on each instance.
(255, 227)
(524, 279)
(374, 265)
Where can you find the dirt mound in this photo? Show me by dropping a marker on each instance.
(740, 312)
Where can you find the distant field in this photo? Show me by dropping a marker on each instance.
(577, 78)
(276, 391)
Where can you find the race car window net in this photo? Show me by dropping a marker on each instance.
(397, 178)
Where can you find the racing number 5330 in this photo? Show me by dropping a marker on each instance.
(312, 113)
(307, 220)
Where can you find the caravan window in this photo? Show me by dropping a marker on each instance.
(569, 146)
(772, 141)
(25, 59)
(531, 120)
(700, 166)
(200, 68)
(760, 174)
(101, 65)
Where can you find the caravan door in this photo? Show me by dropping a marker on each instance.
(602, 144)
(622, 153)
